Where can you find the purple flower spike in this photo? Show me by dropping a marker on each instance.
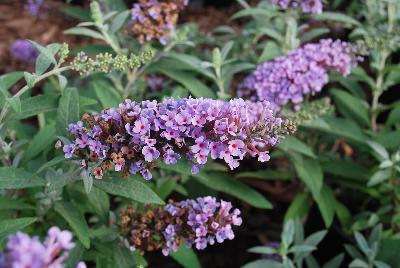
(25, 251)
(134, 136)
(302, 72)
(194, 222)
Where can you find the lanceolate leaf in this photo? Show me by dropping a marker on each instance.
(68, 110)
(186, 257)
(195, 86)
(17, 178)
(310, 172)
(76, 220)
(42, 140)
(129, 188)
(222, 182)
(11, 226)
(35, 105)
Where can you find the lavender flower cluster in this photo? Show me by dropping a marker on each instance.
(23, 50)
(25, 251)
(304, 71)
(307, 6)
(154, 19)
(198, 223)
(131, 138)
(208, 219)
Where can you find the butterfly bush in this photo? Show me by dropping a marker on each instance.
(131, 138)
(153, 19)
(307, 6)
(304, 71)
(197, 223)
(23, 50)
(25, 251)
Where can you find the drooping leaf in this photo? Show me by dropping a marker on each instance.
(222, 182)
(76, 220)
(293, 144)
(194, 85)
(351, 107)
(129, 188)
(310, 172)
(326, 203)
(334, 16)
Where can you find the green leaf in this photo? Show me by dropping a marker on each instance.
(41, 141)
(299, 207)
(293, 144)
(11, 203)
(7, 80)
(68, 111)
(184, 62)
(74, 255)
(35, 105)
(85, 101)
(265, 175)
(263, 264)
(310, 173)
(301, 249)
(119, 20)
(129, 188)
(43, 62)
(335, 262)
(379, 177)
(15, 103)
(18, 178)
(186, 257)
(30, 79)
(100, 202)
(106, 94)
(334, 16)
(84, 32)
(76, 220)
(263, 250)
(195, 86)
(326, 202)
(357, 263)
(394, 117)
(45, 51)
(351, 107)
(271, 51)
(8, 227)
(123, 258)
(52, 162)
(345, 128)
(346, 169)
(314, 33)
(224, 183)
(255, 12)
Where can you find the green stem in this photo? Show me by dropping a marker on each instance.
(6, 106)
